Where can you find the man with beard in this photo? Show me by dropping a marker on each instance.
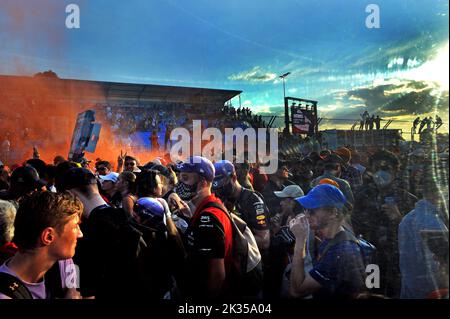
(209, 235)
(243, 174)
(244, 202)
(379, 207)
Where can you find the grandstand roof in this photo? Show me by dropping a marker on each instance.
(80, 89)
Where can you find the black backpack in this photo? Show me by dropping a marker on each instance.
(142, 253)
(13, 287)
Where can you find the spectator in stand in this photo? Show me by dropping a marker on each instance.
(371, 122)
(364, 117)
(377, 121)
(415, 123)
(422, 124)
(438, 122)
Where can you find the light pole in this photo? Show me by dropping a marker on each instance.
(286, 108)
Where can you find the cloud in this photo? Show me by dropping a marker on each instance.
(247, 103)
(254, 75)
(406, 98)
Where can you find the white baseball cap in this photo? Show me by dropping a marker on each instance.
(112, 177)
(291, 191)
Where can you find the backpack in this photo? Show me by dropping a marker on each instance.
(246, 275)
(137, 252)
(13, 287)
(368, 250)
(146, 255)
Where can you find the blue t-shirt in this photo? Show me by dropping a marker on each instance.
(341, 271)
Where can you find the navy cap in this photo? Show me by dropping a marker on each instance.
(150, 210)
(200, 165)
(324, 195)
(224, 170)
(27, 176)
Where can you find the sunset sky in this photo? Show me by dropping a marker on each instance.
(399, 70)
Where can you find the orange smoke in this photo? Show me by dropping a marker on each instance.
(41, 111)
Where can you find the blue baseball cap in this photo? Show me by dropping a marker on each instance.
(224, 170)
(150, 210)
(200, 165)
(324, 195)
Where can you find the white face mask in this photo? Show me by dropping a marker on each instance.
(382, 178)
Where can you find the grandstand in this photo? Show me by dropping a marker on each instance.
(133, 111)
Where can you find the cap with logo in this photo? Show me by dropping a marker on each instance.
(151, 211)
(200, 165)
(223, 171)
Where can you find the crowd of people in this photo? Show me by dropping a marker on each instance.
(426, 122)
(197, 230)
(368, 122)
(159, 119)
(244, 114)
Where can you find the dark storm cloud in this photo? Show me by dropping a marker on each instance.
(409, 97)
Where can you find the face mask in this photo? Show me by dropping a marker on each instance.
(382, 178)
(308, 174)
(185, 191)
(226, 191)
